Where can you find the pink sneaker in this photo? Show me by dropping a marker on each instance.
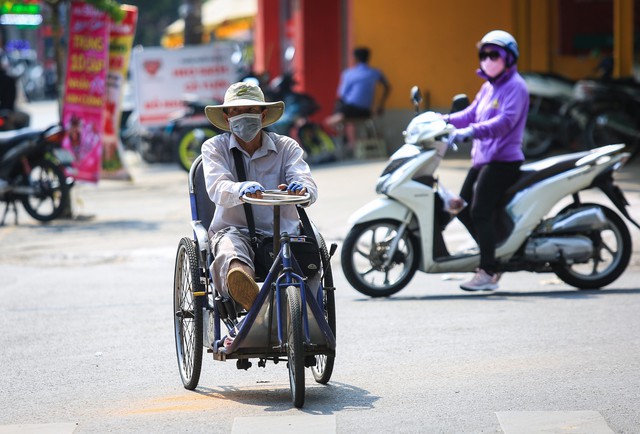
(481, 281)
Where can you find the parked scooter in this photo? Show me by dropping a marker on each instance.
(179, 140)
(608, 109)
(36, 169)
(13, 120)
(296, 122)
(587, 245)
(549, 124)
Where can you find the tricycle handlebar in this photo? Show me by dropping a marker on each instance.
(277, 198)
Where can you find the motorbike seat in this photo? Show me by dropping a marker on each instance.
(533, 173)
(10, 138)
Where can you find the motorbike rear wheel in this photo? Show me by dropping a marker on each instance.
(536, 143)
(190, 145)
(318, 145)
(611, 255)
(49, 191)
(364, 252)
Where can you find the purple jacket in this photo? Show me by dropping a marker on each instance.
(497, 115)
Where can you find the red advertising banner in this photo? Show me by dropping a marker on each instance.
(85, 88)
(120, 43)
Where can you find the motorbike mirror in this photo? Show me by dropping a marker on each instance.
(460, 102)
(416, 97)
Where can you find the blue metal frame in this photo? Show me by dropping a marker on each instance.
(284, 272)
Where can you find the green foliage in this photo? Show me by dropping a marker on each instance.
(111, 7)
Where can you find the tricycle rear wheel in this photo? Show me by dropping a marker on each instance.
(187, 309)
(324, 364)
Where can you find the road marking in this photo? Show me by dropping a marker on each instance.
(284, 424)
(45, 428)
(552, 422)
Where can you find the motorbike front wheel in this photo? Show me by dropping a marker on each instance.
(611, 255)
(365, 252)
(48, 191)
(190, 145)
(612, 126)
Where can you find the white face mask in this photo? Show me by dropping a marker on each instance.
(492, 68)
(246, 126)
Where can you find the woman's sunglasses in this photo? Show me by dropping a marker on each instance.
(493, 55)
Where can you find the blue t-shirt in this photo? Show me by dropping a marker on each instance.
(358, 85)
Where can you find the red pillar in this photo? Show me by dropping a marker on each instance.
(267, 48)
(318, 49)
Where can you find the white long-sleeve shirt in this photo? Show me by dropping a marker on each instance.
(279, 160)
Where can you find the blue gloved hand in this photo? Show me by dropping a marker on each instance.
(251, 187)
(295, 186)
(460, 135)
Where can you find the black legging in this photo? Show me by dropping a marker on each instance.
(483, 189)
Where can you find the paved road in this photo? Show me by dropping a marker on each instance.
(87, 339)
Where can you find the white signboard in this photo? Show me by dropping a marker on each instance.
(164, 78)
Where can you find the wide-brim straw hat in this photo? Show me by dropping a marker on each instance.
(239, 95)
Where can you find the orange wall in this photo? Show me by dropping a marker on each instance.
(431, 44)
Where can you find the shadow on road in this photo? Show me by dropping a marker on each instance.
(497, 295)
(319, 399)
(89, 225)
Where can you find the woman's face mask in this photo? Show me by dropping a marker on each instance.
(246, 126)
(492, 63)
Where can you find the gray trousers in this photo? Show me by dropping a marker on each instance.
(233, 243)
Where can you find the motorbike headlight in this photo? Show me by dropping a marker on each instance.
(411, 134)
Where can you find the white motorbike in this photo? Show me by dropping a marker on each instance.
(587, 245)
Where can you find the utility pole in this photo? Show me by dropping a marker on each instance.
(190, 11)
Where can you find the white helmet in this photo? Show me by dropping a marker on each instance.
(504, 40)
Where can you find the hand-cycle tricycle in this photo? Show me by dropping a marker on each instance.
(293, 318)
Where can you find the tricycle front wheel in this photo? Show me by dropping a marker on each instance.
(295, 346)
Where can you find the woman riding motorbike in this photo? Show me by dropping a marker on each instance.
(495, 121)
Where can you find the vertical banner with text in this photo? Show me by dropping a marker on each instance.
(85, 88)
(120, 43)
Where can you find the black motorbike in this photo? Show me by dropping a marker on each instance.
(13, 120)
(36, 171)
(296, 122)
(609, 110)
(179, 140)
(549, 122)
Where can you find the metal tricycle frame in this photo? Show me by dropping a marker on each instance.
(199, 311)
